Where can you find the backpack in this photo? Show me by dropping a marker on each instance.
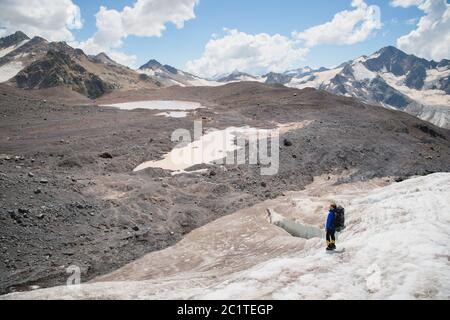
(339, 219)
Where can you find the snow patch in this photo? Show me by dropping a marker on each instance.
(10, 70)
(361, 73)
(211, 146)
(248, 78)
(431, 97)
(148, 72)
(174, 114)
(361, 59)
(156, 105)
(314, 80)
(182, 79)
(298, 72)
(433, 77)
(198, 82)
(374, 56)
(5, 51)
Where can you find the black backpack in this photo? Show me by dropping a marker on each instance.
(339, 219)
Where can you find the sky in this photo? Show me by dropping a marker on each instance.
(215, 37)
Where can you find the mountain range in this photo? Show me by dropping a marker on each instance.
(38, 64)
(390, 77)
(170, 76)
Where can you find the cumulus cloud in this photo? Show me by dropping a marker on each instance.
(261, 53)
(347, 27)
(50, 19)
(431, 37)
(246, 52)
(146, 18)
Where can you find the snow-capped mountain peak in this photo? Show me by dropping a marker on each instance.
(299, 71)
(394, 79)
(12, 42)
(13, 39)
(151, 64)
(237, 76)
(171, 76)
(103, 58)
(388, 77)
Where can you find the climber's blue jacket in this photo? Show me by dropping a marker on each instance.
(330, 220)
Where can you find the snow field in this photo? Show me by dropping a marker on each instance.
(396, 244)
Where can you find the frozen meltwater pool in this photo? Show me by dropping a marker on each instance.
(211, 147)
(157, 105)
(174, 114)
(214, 145)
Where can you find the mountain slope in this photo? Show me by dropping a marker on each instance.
(71, 68)
(394, 79)
(20, 57)
(103, 58)
(59, 69)
(12, 42)
(170, 76)
(101, 69)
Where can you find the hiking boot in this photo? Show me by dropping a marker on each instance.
(329, 248)
(332, 245)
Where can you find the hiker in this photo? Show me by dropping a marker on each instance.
(335, 223)
(330, 228)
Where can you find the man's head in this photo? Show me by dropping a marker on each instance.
(333, 206)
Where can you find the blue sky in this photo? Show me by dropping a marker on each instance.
(177, 46)
(260, 34)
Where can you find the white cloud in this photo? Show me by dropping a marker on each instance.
(254, 54)
(110, 30)
(146, 18)
(123, 58)
(50, 19)
(431, 38)
(346, 27)
(261, 53)
(406, 3)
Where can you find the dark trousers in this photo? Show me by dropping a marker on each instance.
(330, 236)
